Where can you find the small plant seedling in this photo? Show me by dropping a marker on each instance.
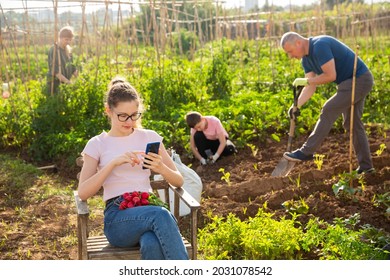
(319, 160)
(382, 147)
(384, 199)
(254, 149)
(297, 181)
(226, 176)
(298, 207)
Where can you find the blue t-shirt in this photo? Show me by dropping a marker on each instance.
(324, 48)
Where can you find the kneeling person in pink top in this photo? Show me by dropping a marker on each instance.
(208, 138)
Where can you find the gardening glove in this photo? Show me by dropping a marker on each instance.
(214, 158)
(295, 114)
(203, 161)
(300, 82)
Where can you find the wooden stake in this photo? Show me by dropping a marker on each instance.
(105, 35)
(352, 111)
(177, 27)
(27, 39)
(14, 45)
(83, 23)
(55, 5)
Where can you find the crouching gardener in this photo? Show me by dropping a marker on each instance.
(208, 138)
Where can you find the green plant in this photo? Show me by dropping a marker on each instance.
(344, 187)
(219, 77)
(260, 237)
(382, 147)
(341, 242)
(298, 207)
(254, 149)
(383, 199)
(297, 181)
(226, 176)
(263, 237)
(319, 160)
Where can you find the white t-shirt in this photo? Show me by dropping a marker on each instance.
(123, 178)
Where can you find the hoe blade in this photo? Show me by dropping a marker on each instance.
(283, 168)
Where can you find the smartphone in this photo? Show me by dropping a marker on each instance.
(151, 147)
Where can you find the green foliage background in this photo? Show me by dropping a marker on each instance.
(244, 84)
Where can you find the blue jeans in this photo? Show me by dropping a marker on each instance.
(154, 228)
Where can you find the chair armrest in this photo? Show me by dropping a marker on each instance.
(180, 193)
(82, 225)
(185, 196)
(81, 206)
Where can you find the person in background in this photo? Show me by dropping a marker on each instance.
(325, 59)
(60, 60)
(115, 160)
(208, 138)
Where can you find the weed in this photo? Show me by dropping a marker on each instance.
(69, 240)
(21, 212)
(255, 166)
(3, 241)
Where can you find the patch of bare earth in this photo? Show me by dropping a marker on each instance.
(46, 230)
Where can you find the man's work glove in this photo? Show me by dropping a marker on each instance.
(300, 82)
(214, 158)
(203, 161)
(295, 114)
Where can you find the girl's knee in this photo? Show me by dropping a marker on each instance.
(165, 215)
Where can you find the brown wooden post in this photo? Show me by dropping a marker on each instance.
(55, 5)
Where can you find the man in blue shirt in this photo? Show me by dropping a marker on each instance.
(325, 60)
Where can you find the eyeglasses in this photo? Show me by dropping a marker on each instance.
(124, 117)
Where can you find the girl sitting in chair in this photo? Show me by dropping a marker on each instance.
(115, 160)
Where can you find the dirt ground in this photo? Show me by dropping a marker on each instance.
(251, 183)
(48, 233)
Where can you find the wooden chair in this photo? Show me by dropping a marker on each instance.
(98, 248)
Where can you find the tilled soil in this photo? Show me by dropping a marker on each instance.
(46, 230)
(251, 184)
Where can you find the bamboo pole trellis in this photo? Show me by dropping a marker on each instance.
(163, 20)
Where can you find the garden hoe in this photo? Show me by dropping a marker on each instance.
(285, 166)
